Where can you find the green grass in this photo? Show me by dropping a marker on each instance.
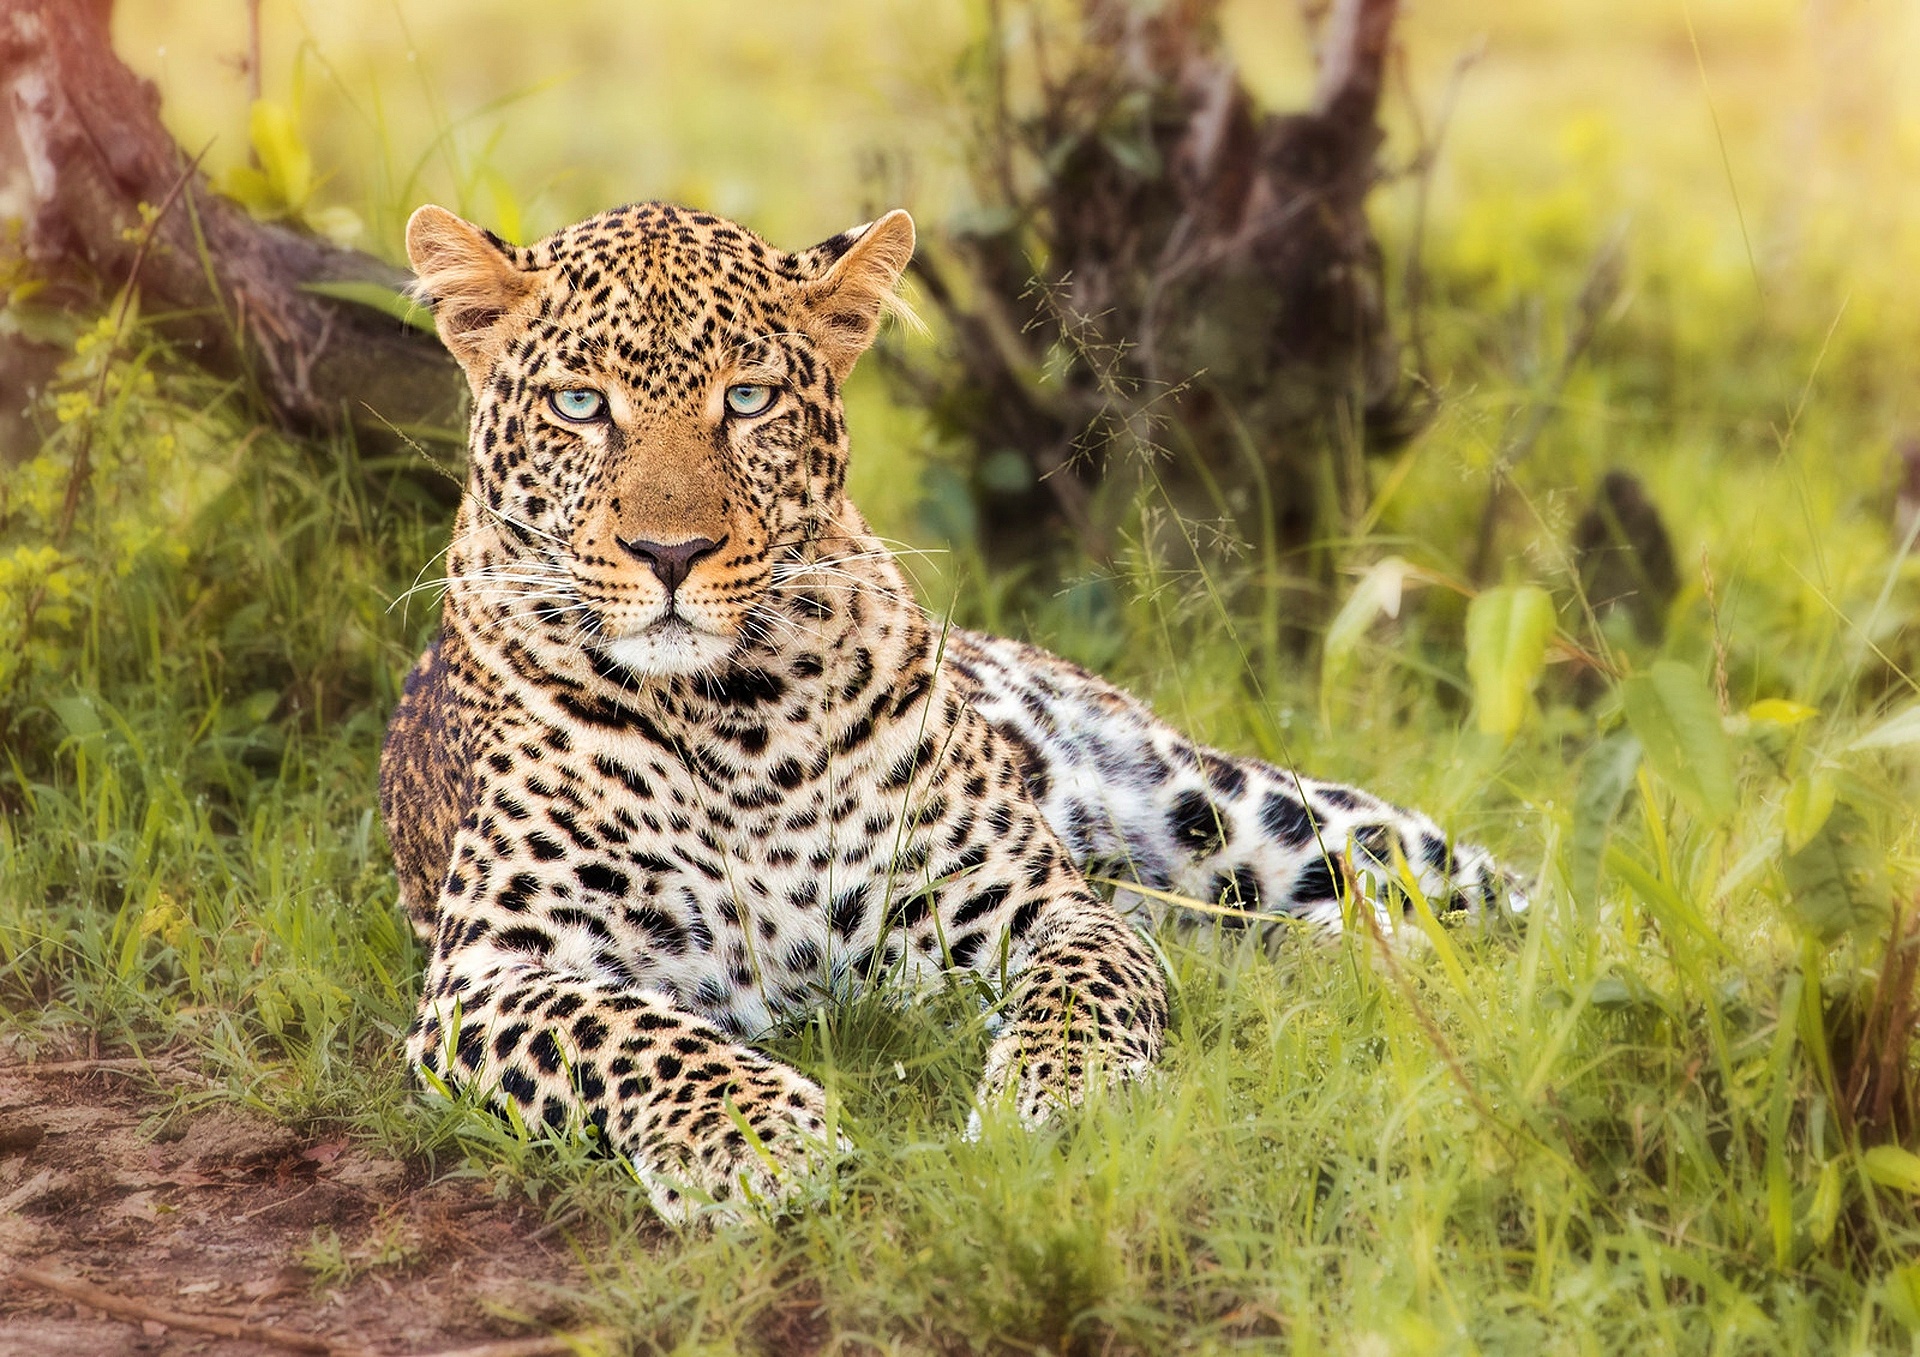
(1625, 1123)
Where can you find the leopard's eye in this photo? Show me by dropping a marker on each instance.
(578, 405)
(746, 401)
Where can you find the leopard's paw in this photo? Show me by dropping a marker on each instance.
(756, 1147)
(1044, 1074)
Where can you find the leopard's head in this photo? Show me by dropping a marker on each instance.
(656, 418)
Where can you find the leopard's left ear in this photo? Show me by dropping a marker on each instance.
(854, 287)
(473, 281)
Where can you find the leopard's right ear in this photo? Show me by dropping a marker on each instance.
(471, 279)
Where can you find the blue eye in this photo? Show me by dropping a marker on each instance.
(578, 405)
(747, 400)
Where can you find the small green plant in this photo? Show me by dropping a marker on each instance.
(390, 1244)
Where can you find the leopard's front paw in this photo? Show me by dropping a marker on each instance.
(1087, 1013)
(1045, 1073)
(754, 1143)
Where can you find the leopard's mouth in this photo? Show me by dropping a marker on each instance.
(672, 643)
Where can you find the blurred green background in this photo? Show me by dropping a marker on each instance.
(1758, 158)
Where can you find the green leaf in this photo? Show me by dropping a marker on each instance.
(284, 158)
(1810, 800)
(1891, 1166)
(1508, 630)
(377, 296)
(1896, 732)
(1377, 593)
(1838, 881)
(1778, 711)
(1674, 715)
(1823, 1212)
(76, 713)
(1670, 909)
(252, 190)
(1900, 1293)
(1606, 774)
(1617, 991)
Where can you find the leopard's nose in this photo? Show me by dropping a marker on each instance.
(672, 562)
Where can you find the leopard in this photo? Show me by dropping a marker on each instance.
(688, 760)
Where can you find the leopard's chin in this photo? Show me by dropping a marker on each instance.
(672, 646)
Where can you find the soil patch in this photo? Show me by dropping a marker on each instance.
(220, 1213)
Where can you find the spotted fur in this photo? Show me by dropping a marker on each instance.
(687, 756)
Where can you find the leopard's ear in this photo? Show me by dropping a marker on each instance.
(853, 287)
(470, 278)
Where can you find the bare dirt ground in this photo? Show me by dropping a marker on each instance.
(215, 1213)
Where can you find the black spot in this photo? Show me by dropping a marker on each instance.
(1340, 798)
(966, 947)
(545, 1052)
(978, 905)
(849, 910)
(663, 929)
(525, 938)
(855, 735)
(739, 687)
(1241, 891)
(911, 693)
(1197, 823)
(909, 764)
(1032, 768)
(472, 1046)
(1223, 776)
(906, 911)
(1315, 882)
(622, 774)
(597, 876)
(1286, 820)
(1377, 840)
(590, 1033)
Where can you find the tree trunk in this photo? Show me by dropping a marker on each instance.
(83, 153)
(1169, 286)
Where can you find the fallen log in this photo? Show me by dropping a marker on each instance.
(85, 162)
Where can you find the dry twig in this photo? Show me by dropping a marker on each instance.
(138, 1311)
(293, 1340)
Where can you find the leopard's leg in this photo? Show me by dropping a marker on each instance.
(664, 1087)
(1087, 1008)
(1134, 800)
